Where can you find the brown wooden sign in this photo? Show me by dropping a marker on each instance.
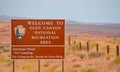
(37, 38)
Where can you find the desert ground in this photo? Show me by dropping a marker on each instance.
(77, 58)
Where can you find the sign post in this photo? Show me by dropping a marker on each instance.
(13, 66)
(38, 39)
(38, 65)
(62, 65)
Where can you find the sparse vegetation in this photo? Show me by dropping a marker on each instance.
(82, 56)
(47, 63)
(95, 54)
(2, 59)
(116, 64)
(53, 69)
(76, 60)
(88, 69)
(117, 60)
(116, 41)
(92, 44)
(29, 65)
(74, 47)
(1, 47)
(9, 62)
(84, 47)
(76, 65)
(70, 70)
(6, 61)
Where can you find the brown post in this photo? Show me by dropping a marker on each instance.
(80, 46)
(13, 65)
(97, 47)
(69, 40)
(108, 49)
(117, 50)
(87, 46)
(38, 65)
(62, 65)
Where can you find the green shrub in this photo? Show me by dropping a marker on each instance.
(1, 47)
(117, 60)
(82, 56)
(5, 61)
(74, 47)
(89, 69)
(2, 58)
(115, 40)
(9, 62)
(92, 44)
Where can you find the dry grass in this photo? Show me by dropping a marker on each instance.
(75, 61)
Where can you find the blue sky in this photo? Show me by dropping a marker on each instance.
(106, 11)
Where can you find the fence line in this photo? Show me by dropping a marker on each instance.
(80, 47)
(97, 47)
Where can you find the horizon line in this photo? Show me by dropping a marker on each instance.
(85, 22)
